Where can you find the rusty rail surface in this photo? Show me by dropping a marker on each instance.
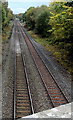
(56, 95)
(23, 105)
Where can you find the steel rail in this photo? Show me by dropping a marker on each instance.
(29, 92)
(25, 70)
(41, 78)
(45, 86)
(14, 83)
(45, 66)
(31, 101)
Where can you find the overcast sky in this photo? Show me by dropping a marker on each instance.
(20, 6)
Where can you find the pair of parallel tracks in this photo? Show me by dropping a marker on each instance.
(24, 104)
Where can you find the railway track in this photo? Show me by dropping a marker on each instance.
(22, 97)
(53, 89)
(23, 104)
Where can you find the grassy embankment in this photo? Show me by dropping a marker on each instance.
(56, 51)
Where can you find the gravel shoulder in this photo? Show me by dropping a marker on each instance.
(58, 72)
(7, 81)
(40, 98)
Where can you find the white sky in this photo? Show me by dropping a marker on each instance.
(20, 6)
(29, 1)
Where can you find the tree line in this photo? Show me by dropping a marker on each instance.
(54, 22)
(7, 14)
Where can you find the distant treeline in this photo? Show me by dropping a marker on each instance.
(54, 22)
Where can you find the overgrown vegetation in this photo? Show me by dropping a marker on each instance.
(7, 33)
(54, 23)
(7, 17)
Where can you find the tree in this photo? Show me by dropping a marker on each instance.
(7, 14)
(42, 25)
(37, 19)
(3, 15)
(62, 23)
(62, 27)
(30, 17)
